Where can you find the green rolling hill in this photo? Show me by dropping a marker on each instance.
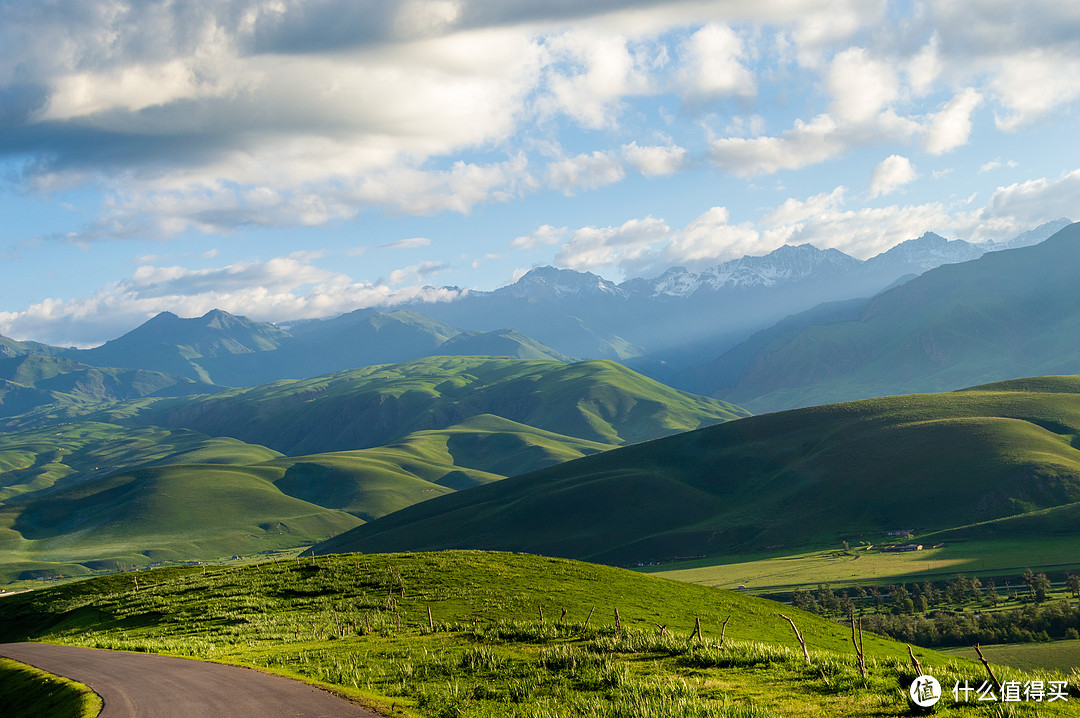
(85, 493)
(1007, 314)
(32, 381)
(496, 634)
(803, 478)
(597, 401)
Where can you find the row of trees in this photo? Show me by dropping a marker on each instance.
(934, 614)
(900, 599)
(1033, 622)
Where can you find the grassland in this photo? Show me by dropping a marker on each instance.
(78, 496)
(973, 465)
(372, 406)
(26, 691)
(861, 566)
(360, 625)
(1033, 657)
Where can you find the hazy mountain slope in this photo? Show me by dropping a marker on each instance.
(29, 381)
(719, 373)
(371, 406)
(1010, 313)
(178, 346)
(809, 477)
(501, 342)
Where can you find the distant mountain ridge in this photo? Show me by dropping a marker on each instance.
(681, 319)
(671, 327)
(1008, 314)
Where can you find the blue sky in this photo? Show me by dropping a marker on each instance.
(284, 159)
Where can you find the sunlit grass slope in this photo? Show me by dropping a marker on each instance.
(360, 624)
(800, 479)
(594, 400)
(91, 494)
(195, 511)
(27, 691)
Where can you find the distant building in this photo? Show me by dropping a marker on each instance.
(905, 547)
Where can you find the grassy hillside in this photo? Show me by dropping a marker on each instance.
(1008, 314)
(167, 513)
(142, 493)
(31, 381)
(500, 342)
(374, 482)
(27, 691)
(360, 625)
(807, 478)
(597, 401)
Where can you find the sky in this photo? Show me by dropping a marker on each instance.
(286, 159)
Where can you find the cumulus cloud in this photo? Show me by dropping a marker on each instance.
(543, 235)
(806, 143)
(1023, 205)
(585, 171)
(415, 273)
(950, 127)
(893, 172)
(861, 86)
(712, 63)
(598, 247)
(655, 160)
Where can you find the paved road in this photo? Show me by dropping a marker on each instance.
(141, 685)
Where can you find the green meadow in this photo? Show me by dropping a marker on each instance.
(969, 466)
(1032, 657)
(491, 634)
(862, 566)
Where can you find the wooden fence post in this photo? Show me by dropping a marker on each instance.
(806, 654)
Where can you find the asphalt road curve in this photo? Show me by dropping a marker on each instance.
(143, 685)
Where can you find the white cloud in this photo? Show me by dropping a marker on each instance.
(710, 238)
(410, 243)
(804, 144)
(861, 86)
(598, 247)
(925, 67)
(995, 164)
(592, 73)
(794, 211)
(1023, 205)
(655, 160)
(415, 273)
(950, 127)
(712, 63)
(543, 235)
(1031, 84)
(585, 171)
(892, 173)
